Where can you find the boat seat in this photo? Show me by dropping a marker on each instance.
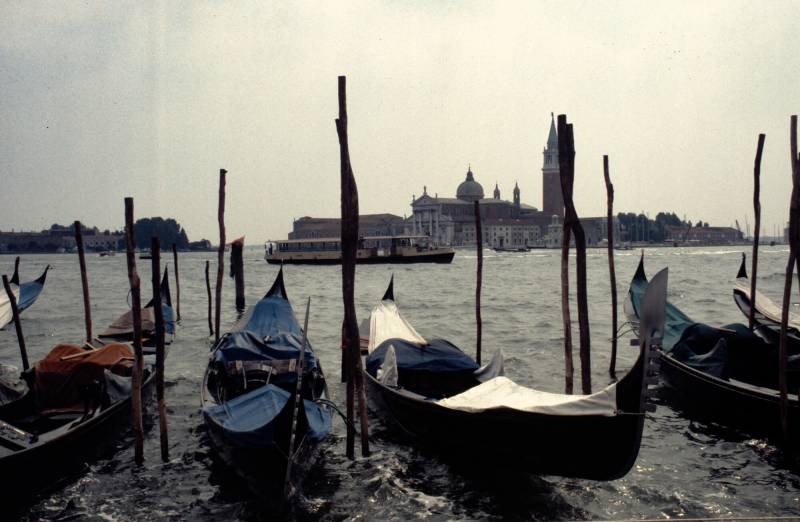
(14, 436)
(274, 366)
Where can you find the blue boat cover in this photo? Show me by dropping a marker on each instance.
(437, 356)
(251, 420)
(270, 332)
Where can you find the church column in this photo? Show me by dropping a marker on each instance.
(430, 222)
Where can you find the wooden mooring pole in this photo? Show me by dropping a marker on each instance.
(566, 159)
(17, 325)
(237, 271)
(220, 253)
(349, 239)
(158, 313)
(87, 309)
(612, 369)
(756, 233)
(208, 291)
(479, 279)
(794, 250)
(136, 309)
(177, 282)
(569, 367)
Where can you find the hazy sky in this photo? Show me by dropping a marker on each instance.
(105, 100)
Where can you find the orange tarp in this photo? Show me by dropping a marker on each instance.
(59, 383)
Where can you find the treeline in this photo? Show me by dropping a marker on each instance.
(167, 230)
(639, 227)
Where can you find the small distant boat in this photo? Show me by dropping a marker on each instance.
(60, 413)
(248, 397)
(726, 374)
(438, 394)
(146, 255)
(107, 253)
(25, 294)
(121, 330)
(510, 249)
(371, 250)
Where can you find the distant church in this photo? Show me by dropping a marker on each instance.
(504, 223)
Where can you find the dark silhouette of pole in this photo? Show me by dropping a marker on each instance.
(17, 325)
(756, 233)
(208, 290)
(298, 400)
(566, 159)
(220, 253)
(479, 245)
(237, 271)
(612, 369)
(349, 239)
(177, 282)
(136, 309)
(158, 313)
(87, 309)
(794, 250)
(569, 369)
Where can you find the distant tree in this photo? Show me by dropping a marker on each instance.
(167, 230)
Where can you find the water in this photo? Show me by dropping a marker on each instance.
(684, 469)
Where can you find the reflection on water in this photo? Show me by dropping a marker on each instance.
(684, 469)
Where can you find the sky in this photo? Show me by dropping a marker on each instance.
(102, 100)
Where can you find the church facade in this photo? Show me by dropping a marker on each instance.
(504, 224)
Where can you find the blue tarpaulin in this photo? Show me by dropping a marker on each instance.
(437, 356)
(252, 420)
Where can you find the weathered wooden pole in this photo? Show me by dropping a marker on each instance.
(208, 290)
(136, 309)
(298, 400)
(87, 309)
(177, 282)
(756, 233)
(17, 325)
(15, 275)
(479, 245)
(237, 271)
(349, 239)
(794, 250)
(158, 313)
(569, 368)
(566, 159)
(612, 369)
(220, 253)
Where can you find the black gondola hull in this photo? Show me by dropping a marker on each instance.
(590, 447)
(65, 451)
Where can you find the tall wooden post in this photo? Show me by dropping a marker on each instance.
(479, 245)
(158, 312)
(349, 239)
(220, 253)
(566, 159)
(569, 368)
(17, 325)
(87, 309)
(794, 250)
(177, 282)
(612, 369)
(208, 291)
(756, 233)
(237, 271)
(136, 309)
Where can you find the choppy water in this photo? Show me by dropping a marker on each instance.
(685, 468)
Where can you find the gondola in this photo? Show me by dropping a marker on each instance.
(25, 293)
(65, 410)
(726, 374)
(248, 397)
(437, 394)
(121, 330)
(767, 317)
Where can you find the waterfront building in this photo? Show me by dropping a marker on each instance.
(369, 225)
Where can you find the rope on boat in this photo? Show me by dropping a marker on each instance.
(333, 406)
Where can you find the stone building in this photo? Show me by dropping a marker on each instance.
(504, 223)
(368, 225)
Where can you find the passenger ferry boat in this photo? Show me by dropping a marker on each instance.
(371, 250)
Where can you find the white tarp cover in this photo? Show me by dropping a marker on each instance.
(385, 322)
(502, 392)
(6, 315)
(766, 306)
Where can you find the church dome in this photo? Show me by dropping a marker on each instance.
(469, 189)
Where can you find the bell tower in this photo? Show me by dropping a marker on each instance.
(516, 194)
(552, 198)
